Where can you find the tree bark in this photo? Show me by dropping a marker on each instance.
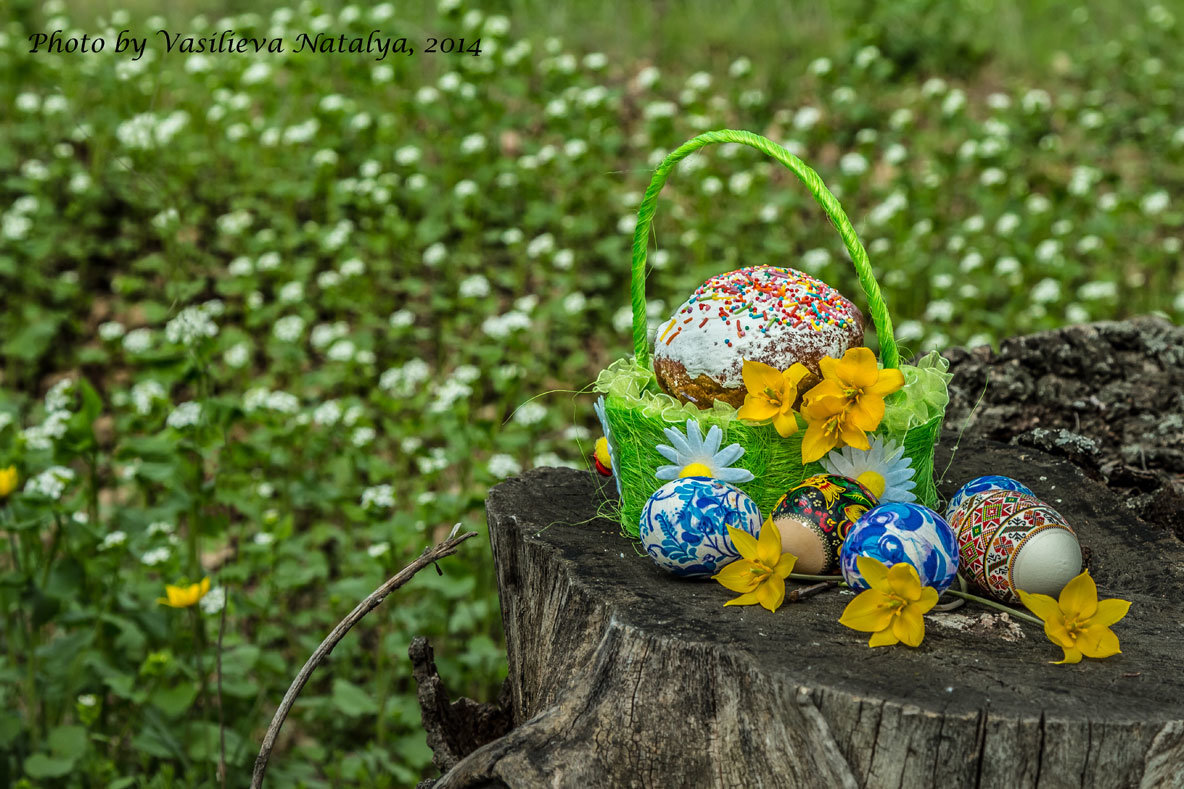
(622, 675)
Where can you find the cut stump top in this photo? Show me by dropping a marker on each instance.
(954, 669)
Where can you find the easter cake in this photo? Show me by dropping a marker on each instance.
(777, 316)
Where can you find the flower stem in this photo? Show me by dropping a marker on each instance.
(996, 606)
(806, 577)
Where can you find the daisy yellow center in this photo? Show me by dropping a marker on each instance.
(695, 470)
(873, 481)
(602, 452)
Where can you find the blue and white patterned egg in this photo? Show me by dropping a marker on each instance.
(897, 532)
(684, 525)
(983, 485)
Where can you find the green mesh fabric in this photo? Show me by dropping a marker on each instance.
(637, 413)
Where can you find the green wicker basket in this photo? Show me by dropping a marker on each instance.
(635, 410)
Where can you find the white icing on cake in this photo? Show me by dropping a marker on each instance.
(763, 313)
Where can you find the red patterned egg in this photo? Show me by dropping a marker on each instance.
(1008, 540)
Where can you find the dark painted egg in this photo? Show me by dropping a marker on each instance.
(815, 517)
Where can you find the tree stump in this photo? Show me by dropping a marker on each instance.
(623, 675)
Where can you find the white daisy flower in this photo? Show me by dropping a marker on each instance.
(882, 468)
(695, 456)
(598, 407)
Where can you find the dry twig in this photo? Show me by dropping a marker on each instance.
(429, 556)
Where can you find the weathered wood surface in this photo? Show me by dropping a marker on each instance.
(621, 675)
(1105, 395)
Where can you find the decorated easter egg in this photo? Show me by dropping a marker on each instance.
(815, 517)
(982, 485)
(1010, 540)
(897, 532)
(684, 525)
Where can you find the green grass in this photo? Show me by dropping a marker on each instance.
(359, 283)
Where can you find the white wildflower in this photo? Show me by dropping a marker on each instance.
(145, 393)
(501, 326)
(1047, 250)
(50, 483)
(1155, 203)
(1097, 291)
(327, 413)
(940, 311)
(156, 556)
(530, 413)
(474, 287)
(540, 245)
(434, 255)
(289, 328)
(185, 415)
(214, 601)
(1047, 291)
(112, 540)
(190, 326)
(807, 118)
(378, 497)
(448, 394)
(502, 466)
(853, 163)
(1007, 224)
(342, 351)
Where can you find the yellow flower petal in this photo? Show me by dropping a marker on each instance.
(888, 382)
(909, 626)
(785, 565)
(1098, 641)
(828, 395)
(1079, 598)
(8, 481)
(758, 409)
(817, 442)
(904, 581)
(1110, 611)
(744, 599)
(1042, 606)
(858, 368)
(745, 543)
(771, 593)
(867, 411)
(1057, 633)
(870, 611)
(796, 372)
(883, 638)
(853, 436)
(768, 544)
(786, 424)
(928, 599)
(759, 376)
(874, 571)
(830, 370)
(1071, 656)
(738, 576)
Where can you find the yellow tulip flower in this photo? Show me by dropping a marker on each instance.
(760, 574)
(8, 481)
(847, 404)
(894, 609)
(771, 394)
(1079, 623)
(185, 596)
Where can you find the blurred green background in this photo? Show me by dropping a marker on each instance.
(281, 320)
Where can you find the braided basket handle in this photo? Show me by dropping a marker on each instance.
(645, 217)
